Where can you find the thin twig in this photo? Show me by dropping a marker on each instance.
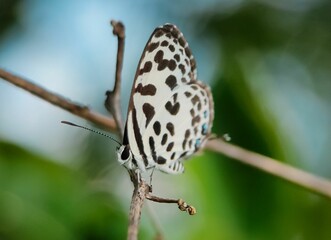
(57, 100)
(183, 206)
(139, 194)
(274, 167)
(113, 105)
(113, 100)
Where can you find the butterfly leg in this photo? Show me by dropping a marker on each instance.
(151, 178)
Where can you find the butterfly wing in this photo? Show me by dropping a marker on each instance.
(170, 113)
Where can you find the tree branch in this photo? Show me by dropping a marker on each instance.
(274, 167)
(183, 206)
(57, 100)
(113, 100)
(138, 197)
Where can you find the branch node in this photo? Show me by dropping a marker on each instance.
(118, 28)
(183, 206)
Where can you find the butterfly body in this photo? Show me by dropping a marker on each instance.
(170, 112)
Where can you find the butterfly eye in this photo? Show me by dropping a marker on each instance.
(126, 153)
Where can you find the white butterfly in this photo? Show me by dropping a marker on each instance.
(170, 112)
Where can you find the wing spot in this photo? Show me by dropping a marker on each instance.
(199, 105)
(152, 147)
(171, 128)
(187, 133)
(192, 112)
(204, 129)
(195, 99)
(172, 109)
(188, 52)
(170, 146)
(188, 94)
(159, 33)
(164, 139)
(175, 97)
(172, 65)
(177, 57)
(161, 160)
(173, 156)
(149, 112)
(153, 46)
(171, 47)
(205, 114)
(182, 68)
(182, 155)
(195, 120)
(164, 43)
(190, 143)
(159, 56)
(182, 41)
(162, 65)
(148, 90)
(184, 144)
(197, 143)
(157, 127)
(147, 68)
(171, 81)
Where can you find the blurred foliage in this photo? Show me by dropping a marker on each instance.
(8, 14)
(43, 200)
(265, 207)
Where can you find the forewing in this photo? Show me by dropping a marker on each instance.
(160, 110)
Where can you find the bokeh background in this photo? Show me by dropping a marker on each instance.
(269, 66)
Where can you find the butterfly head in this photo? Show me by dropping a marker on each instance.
(124, 156)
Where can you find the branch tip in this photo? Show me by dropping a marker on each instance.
(118, 28)
(183, 206)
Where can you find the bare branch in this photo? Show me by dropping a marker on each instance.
(57, 100)
(138, 197)
(183, 206)
(113, 105)
(113, 100)
(274, 167)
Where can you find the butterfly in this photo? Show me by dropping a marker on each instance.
(170, 112)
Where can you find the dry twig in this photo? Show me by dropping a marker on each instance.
(57, 100)
(113, 100)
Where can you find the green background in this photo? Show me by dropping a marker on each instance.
(270, 76)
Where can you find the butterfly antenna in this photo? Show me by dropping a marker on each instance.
(92, 130)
